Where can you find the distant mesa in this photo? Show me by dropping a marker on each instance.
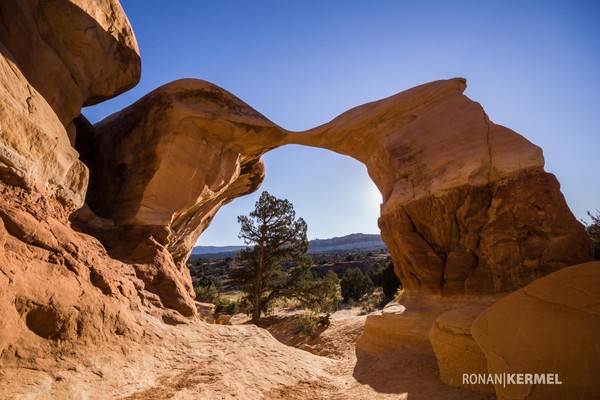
(216, 250)
(352, 242)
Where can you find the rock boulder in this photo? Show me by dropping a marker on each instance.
(550, 326)
(455, 350)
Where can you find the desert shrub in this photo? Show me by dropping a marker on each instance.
(223, 305)
(374, 301)
(206, 294)
(349, 258)
(593, 229)
(354, 284)
(376, 273)
(330, 294)
(390, 282)
(287, 304)
(308, 323)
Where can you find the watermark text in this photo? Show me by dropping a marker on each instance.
(506, 379)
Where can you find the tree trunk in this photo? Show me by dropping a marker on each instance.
(256, 309)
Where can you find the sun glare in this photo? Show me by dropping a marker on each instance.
(373, 196)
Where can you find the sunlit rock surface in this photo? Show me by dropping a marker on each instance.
(467, 207)
(73, 52)
(58, 287)
(56, 57)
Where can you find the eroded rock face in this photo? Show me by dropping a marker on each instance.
(550, 326)
(467, 207)
(162, 168)
(174, 157)
(56, 56)
(73, 52)
(58, 286)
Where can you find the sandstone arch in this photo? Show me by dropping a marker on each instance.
(161, 168)
(467, 207)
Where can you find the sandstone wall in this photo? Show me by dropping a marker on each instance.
(59, 287)
(550, 326)
(55, 57)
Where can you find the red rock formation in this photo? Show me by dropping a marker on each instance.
(467, 206)
(59, 286)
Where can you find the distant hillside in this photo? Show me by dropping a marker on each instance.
(216, 249)
(355, 241)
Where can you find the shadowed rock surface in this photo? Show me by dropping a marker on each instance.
(455, 350)
(550, 326)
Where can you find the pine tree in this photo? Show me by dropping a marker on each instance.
(277, 264)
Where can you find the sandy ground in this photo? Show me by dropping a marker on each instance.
(411, 372)
(204, 361)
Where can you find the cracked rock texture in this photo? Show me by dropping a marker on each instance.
(455, 350)
(549, 326)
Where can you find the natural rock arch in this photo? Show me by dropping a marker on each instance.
(467, 207)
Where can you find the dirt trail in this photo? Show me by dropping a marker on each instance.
(244, 362)
(411, 372)
(202, 361)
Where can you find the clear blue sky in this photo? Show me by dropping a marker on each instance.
(533, 65)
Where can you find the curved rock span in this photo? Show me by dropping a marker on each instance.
(467, 206)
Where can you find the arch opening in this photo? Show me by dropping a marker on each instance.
(332, 192)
